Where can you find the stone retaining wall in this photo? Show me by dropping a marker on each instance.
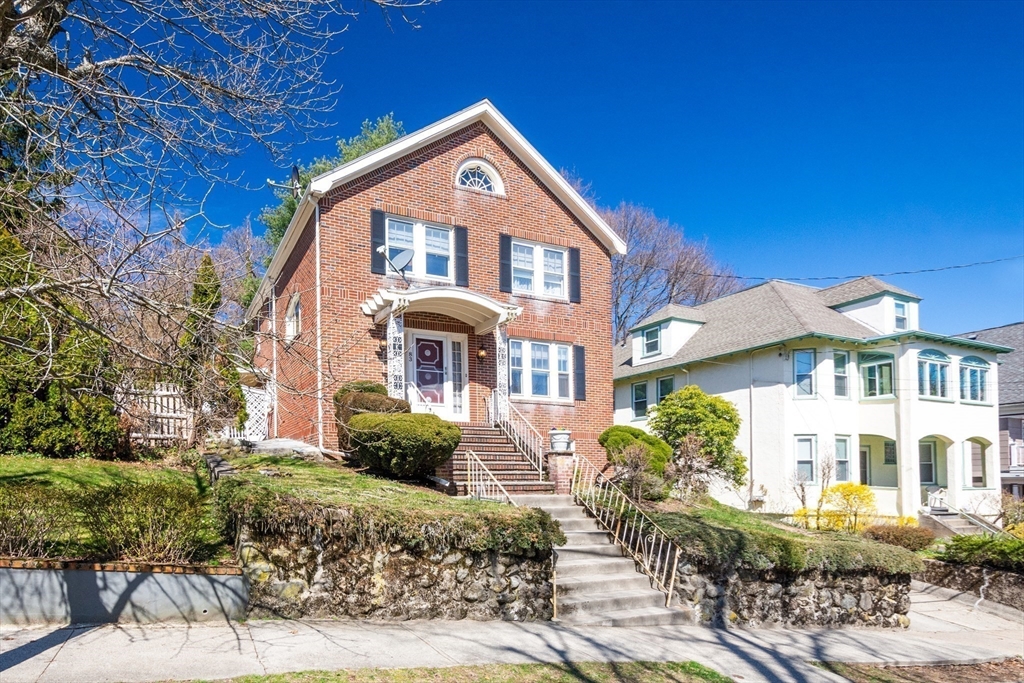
(295, 576)
(816, 598)
(1005, 588)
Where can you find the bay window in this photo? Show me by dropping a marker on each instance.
(539, 370)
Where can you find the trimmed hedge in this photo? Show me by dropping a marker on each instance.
(403, 444)
(986, 550)
(617, 437)
(361, 385)
(352, 403)
(912, 538)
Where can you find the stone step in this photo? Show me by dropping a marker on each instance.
(588, 552)
(592, 584)
(516, 487)
(611, 601)
(605, 566)
(544, 501)
(583, 538)
(647, 616)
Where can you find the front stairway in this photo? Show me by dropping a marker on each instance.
(596, 585)
(500, 455)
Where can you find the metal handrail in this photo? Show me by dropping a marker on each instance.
(937, 499)
(413, 391)
(649, 545)
(524, 435)
(481, 484)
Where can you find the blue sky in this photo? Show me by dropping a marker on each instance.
(799, 139)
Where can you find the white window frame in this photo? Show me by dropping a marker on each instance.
(966, 393)
(813, 439)
(633, 400)
(538, 271)
(293, 319)
(924, 378)
(644, 341)
(932, 460)
(846, 441)
(866, 381)
(657, 384)
(901, 316)
(417, 268)
(796, 376)
(556, 351)
(497, 184)
(845, 374)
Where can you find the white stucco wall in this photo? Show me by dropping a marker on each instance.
(879, 313)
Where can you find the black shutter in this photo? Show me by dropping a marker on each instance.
(574, 275)
(378, 264)
(579, 366)
(461, 257)
(505, 255)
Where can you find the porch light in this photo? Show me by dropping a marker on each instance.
(383, 344)
(481, 353)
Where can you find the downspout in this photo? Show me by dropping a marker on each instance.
(750, 426)
(273, 337)
(319, 345)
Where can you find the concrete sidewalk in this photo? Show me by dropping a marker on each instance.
(158, 653)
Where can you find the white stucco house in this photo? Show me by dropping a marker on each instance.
(843, 375)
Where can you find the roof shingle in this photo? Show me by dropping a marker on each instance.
(861, 288)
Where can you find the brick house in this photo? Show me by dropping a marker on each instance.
(502, 306)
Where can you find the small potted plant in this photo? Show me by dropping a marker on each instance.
(560, 439)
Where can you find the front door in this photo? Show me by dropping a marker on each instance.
(865, 458)
(438, 375)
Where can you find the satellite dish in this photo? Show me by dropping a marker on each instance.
(401, 260)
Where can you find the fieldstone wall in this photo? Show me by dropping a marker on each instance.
(1005, 588)
(751, 598)
(296, 576)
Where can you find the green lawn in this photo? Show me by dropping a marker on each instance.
(82, 473)
(589, 672)
(279, 491)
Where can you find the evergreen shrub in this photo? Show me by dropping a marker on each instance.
(617, 437)
(402, 444)
(910, 537)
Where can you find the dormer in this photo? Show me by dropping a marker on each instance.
(879, 305)
(662, 334)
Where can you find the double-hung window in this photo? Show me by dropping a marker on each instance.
(973, 379)
(431, 247)
(652, 341)
(876, 374)
(538, 269)
(842, 458)
(539, 370)
(926, 454)
(639, 396)
(840, 361)
(803, 372)
(932, 372)
(806, 452)
(901, 315)
(666, 385)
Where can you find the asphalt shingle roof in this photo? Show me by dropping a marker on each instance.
(861, 288)
(1011, 370)
(673, 311)
(756, 317)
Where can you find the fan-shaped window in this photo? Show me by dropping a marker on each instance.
(932, 354)
(974, 361)
(475, 174)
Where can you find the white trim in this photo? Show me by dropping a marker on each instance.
(537, 271)
(444, 410)
(813, 438)
(526, 382)
(489, 170)
(482, 111)
(417, 269)
(812, 374)
(273, 341)
(480, 311)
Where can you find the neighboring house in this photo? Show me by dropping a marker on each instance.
(1011, 403)
(505, 289)
(841, 375)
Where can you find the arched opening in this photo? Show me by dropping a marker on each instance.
(976, 473)
(932, 459)
(877, 461)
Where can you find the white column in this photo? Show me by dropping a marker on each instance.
(501, 358)
(396, 355)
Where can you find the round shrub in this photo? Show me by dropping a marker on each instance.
(355, 402)
(403, 444)
(910, 537)
(362, 385)
(616, 438)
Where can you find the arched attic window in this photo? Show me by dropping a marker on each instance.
(932, 374)
(477, 174)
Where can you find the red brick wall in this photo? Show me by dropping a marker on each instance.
(422, 185)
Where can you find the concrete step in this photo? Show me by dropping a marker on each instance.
(566, 512)
(588, 552)
(605, 566)
(585, 524)
(594, 584)
(544, 501)
(647, 616)
(598, 603)
(586, 537)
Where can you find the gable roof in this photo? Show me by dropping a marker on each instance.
(1011, 369)
(483, 112)
(857, 290)
(672, 312)
(764, 315)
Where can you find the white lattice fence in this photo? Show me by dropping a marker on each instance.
(160, 415)
(257, 405)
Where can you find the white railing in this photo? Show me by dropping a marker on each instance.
(937, 502)
(530, 442)
(634, 532)
(481, 484)
(417, 401)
